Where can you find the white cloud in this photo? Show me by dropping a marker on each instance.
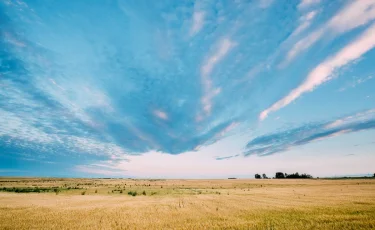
(227, 129)
(92, 146)
(198, 22)
(223, 48)
(359, 117)
(76, 97)
(307, 3)
(30, 133)
(29, 124)
(12, 39)
(355, 14)
(161, 114)
(305, 22)
(324, 70)
(21, 129)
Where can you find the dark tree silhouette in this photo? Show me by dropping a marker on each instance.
(257, 176)
(279, 175)
(297, 175)
(293, 175)
(264, 176)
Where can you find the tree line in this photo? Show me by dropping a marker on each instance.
(281, 175)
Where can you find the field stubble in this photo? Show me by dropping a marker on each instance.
(186, 204)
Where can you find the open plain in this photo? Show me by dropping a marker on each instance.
(54, 203)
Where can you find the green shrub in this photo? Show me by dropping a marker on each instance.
(131, 193)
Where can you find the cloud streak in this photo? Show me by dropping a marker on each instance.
(209, 91)
(324, 71)
(226, 157)
(307, 3)
(282, 141)
(198, 22)
(355, 14)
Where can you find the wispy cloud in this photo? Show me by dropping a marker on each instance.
(355, 14)
(307, 3)
(161, 114)
(323, 72)
(305, 22)
(287, 139)
(226, 157)
(358, 117)
(198, 22)
(19, 129)
(355, 82)
(209, 91)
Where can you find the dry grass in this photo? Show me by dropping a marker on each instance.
(189, 204)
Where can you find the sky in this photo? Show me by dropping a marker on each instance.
(187, 89)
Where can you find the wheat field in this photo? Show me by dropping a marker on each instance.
(50, 203)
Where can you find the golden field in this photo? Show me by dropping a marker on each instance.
(52, 203)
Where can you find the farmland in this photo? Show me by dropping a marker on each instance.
(62, 203)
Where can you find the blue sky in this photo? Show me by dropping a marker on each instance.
(187, 89)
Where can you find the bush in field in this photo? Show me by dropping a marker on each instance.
(131, 193)
(144, 193)
(83, 193)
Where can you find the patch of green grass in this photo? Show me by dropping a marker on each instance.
(132, 193)
(30, 189)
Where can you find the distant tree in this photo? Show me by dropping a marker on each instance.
(279, 175)
(264, 176)
(306, 176)
(374, 174)
(257, 176)
(297, 175)
(293, 175)
(286, 175)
